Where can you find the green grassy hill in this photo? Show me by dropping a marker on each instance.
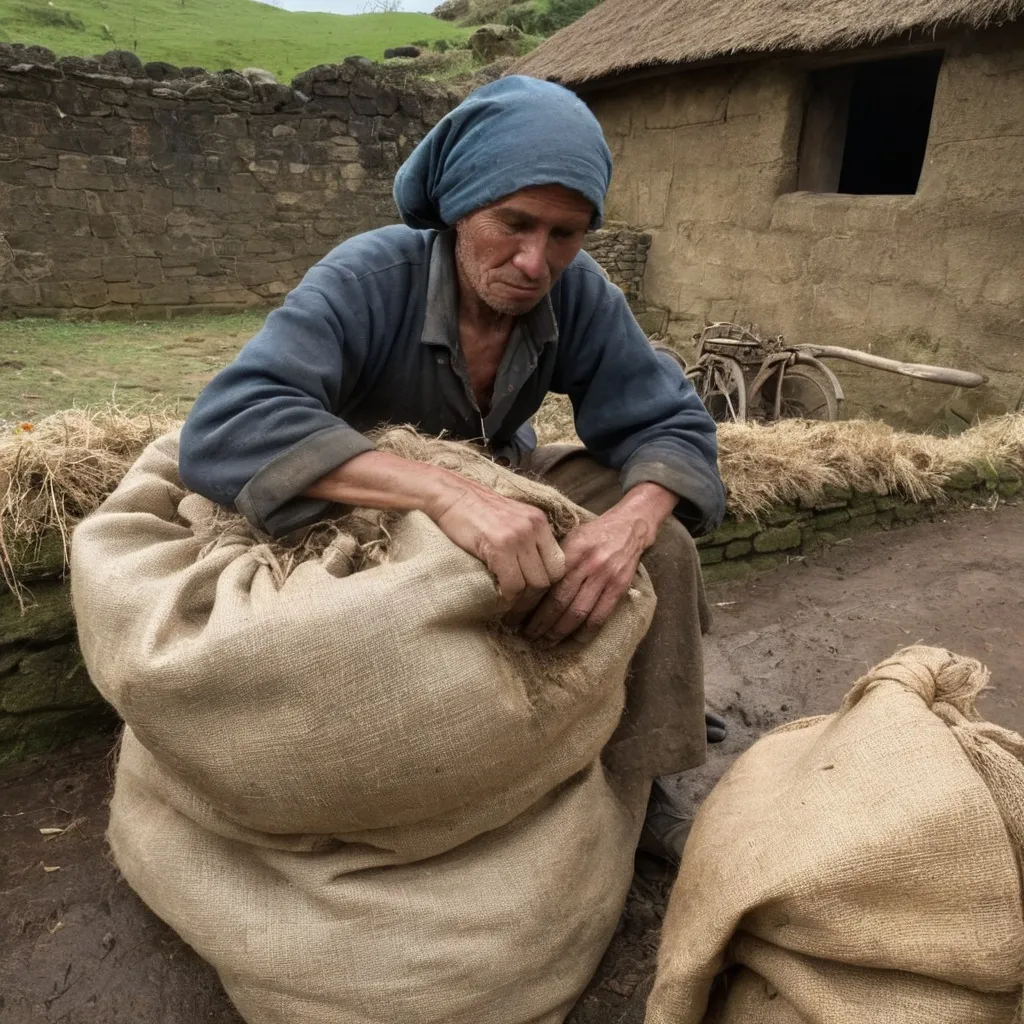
(214, 34)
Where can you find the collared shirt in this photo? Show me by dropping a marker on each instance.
(370, 337)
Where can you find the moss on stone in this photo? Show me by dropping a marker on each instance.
(862, 505)
(963, 480)
(787, 514)
(781, 538)
(829, 520)
(744, 568)
(711, 556)
(38, 559)
(909, 513)
(1009, 488)
(834, 497)
(47, 615)
(42, 731)
(738, 548)
(735, 529)
(50, 679)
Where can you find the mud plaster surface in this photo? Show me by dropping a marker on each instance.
(77, 947)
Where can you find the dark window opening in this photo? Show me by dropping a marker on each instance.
(866, 127)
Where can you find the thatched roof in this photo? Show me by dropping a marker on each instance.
(623, 35)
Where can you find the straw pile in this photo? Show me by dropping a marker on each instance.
(53, 476)
(56, 474)
(799, 461)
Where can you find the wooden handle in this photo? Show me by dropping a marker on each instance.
(938, 374)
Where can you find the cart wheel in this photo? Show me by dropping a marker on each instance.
(720, 385)
(671, 353)
(807, 394)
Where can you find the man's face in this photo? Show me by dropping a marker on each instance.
(511, 253)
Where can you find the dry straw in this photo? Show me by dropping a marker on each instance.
(622, 35)
(60, 471)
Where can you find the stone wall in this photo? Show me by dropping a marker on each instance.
(622, 252)
(130, 191)
(741, 547)
(142, 191)
(706, 161)
(46, 697)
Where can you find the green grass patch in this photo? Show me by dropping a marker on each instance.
(214, 34)
(47, 365)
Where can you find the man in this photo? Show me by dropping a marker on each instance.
(461, 321)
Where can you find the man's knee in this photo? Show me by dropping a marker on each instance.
(675, 542)
(673, 564)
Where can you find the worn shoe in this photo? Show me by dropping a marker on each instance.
(666, 825)
(668, 820)
(714, 726)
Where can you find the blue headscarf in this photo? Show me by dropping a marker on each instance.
(511, 134)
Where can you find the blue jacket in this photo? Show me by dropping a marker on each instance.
(370, 336)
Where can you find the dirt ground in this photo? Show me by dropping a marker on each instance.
(77, 947)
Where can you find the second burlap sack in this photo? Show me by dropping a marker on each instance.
(350, 791)
(859, 868)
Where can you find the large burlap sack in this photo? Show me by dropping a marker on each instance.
(351, 791)
(860, 868)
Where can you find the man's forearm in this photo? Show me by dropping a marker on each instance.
(647, 505)
(381, 480)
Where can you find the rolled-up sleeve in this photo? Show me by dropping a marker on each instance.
(634, 409)
(263, 430)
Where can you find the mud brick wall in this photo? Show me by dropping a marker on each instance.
(622, 252)
(707, 159)
(124, 195)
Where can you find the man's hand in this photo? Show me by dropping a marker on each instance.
(601, 558)
(513, 540)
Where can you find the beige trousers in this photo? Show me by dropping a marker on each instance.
(662, 729)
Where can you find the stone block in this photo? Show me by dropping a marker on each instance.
(148, 270)
(735, 529)
(786, 514)
(87, 268)
(828, 520)
(910, 512)
(124, 293)
(119, 268)
(42, 731)
(738, 548)
(19, 293)
(781, 538)
(47, 615)
(168, 293)
(48, 680)
(861, 505)
(55, 294)
(41, 558)
(103, 225)
(88, 294)
(886, 502)
(743, 568)
(255, 273)
(122, 313)
(711, 555)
